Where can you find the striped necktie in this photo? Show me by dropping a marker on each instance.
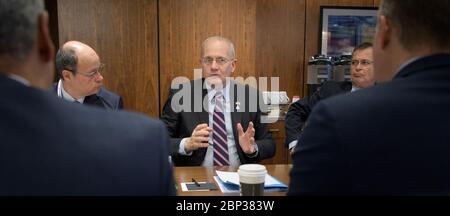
(220, 143)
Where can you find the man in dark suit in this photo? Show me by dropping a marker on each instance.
(362, 76)
(227, 129)
(79, 69)
(393, 138)
(46, 145)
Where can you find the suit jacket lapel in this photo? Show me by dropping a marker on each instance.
(202, 116)
(236, 116)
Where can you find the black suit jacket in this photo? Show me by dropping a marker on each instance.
(299, 111)
(391, 139)
(49, 146)
(103, 98)
(181, 124)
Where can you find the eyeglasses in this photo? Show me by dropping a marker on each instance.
(363, 62)
(94, 72)
(219, 60)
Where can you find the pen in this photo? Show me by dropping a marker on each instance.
(195, 182)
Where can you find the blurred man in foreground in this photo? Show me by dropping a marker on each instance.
(362, 77)
(391, 139)
(46, 145)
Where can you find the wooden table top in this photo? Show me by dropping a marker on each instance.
(205, 174)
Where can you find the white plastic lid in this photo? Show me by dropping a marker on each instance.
(252, 173)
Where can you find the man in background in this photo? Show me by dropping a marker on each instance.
(225, 132)
(79, 69)
(46, 145)
(362, 76)
(392, 138)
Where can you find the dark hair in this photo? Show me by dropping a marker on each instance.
(362, 46)
(419, 23)
(66, 59)
(18, 27)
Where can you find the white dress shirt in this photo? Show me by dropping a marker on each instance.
(19, 79)
(63, 94)
(232, 149)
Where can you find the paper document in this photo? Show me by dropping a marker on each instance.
(233, 178)
(225, 187)
(229, 183)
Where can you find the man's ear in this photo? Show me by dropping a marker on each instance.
(384, 32)
(233, 64)
(45, 46)
(66, 75)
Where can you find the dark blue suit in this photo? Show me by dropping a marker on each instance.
(181, 124)
(299, 111)
(103, 98)
(52, 147)
(390, 139)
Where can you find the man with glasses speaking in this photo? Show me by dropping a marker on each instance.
(362, 76)
(226, 130)
(79, 69)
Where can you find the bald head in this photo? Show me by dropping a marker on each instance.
(79, 47)
(231, 52)
(79, 67)
(74, 54)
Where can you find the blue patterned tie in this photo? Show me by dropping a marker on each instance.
(220, 143)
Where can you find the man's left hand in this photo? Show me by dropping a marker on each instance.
(247, 138)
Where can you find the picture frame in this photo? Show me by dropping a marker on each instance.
(343, 28)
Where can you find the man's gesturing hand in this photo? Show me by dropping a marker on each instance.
(246, 139)
(199, 138)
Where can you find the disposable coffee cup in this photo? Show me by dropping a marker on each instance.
(251, 179)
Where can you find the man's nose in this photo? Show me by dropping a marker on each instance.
(214, 65)
(99, 77)
(359, 67)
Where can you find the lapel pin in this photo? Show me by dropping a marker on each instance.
(237, 105)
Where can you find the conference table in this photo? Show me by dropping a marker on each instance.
(206, 174)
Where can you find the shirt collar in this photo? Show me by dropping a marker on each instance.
(354, 88)
(406, 64)
(19, 79)
(225, 91)
(63, 94)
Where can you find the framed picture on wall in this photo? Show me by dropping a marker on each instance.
(343, 28)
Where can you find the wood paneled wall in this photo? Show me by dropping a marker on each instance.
(124, 34)
(184, 24)
(376, 3)
(280, 38)
(268, 37)
(146, 43)
(52, 7)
